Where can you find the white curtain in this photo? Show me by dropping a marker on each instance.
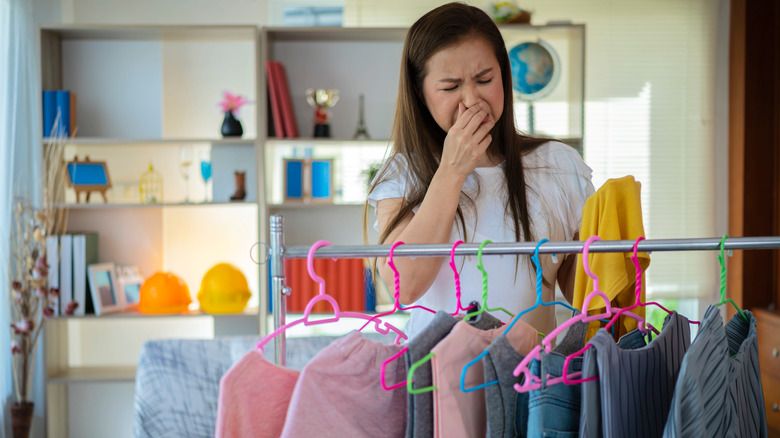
(20, 164)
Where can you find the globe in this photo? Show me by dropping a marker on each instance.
(534, 69)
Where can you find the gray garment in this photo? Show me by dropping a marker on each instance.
(419, 421)
(634, 390)
(717, 396)
(501, 399)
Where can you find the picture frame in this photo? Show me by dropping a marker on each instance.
(129, 279)
(104, 288)
(320, 175)
(308, 180)
(294, 184)
(87, 176)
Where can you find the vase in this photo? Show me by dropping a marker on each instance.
(231, 126)
(21, 419)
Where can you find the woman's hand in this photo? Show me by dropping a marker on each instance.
(467, 140)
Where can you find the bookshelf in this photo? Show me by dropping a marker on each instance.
(147, 92)
(144, 93)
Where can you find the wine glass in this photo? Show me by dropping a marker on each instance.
(185, 162)
(205, 172)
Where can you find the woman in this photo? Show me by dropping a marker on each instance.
(460, 170)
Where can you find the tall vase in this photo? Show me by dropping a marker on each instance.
(231, 126)
(21, 419)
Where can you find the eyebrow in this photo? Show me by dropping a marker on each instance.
(478, 75)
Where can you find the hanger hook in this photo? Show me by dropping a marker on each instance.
(539, 272)
(722, 260)
(396, 277)
(310, 264)
(459, 307)
(586, 261)
(635, 260)
(481, 267)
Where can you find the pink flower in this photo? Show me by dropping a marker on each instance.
(71, 307)
(232, 102)
(48, 312)
(24, 327)
(15, 348)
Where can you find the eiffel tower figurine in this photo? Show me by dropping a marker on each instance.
(361, 130)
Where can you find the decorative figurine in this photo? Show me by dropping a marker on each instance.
(361, 131)
(321, 99)
(240, 192)
(151, 186)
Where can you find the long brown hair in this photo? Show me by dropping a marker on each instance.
(418, 138)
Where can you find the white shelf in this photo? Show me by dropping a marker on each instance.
(249, 311)
(109, 206)
(302, 206)
(94, 374)
(313, 141)
(96, 141)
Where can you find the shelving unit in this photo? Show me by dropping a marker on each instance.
(143, 94)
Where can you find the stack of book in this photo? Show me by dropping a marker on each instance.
(281, 111)
(345, 280)
(68, 256)
(60, 103)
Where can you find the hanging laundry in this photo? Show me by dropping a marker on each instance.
(420, 406)
(614, 212)
(462, 414)
(253, 398)
(719, 392)
(555, 409)
(338, 393)
(634, 390)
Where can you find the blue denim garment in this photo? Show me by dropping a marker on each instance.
(554, 411)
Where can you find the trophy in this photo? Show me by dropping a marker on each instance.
(321, 99)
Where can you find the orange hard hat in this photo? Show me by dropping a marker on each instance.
(224, 289)
(164, 292)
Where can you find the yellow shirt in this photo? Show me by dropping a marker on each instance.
(614, 212)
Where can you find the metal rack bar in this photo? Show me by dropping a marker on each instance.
(279, 253)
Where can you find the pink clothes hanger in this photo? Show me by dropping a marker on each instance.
(532, 382)
(396, 306)
(380, 326)
(458, 308)
(565, 378)
(455, 273)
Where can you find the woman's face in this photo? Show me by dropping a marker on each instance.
(466, 72)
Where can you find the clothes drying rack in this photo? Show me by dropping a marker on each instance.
(278, 253)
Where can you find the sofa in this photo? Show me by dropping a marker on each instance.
(177, 380)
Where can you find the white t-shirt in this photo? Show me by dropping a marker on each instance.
(557, 185)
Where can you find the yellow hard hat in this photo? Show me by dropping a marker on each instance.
(224, 289)
(164, 292)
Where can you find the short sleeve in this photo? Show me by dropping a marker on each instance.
(577, 179)
(394, 176)
(563, 183)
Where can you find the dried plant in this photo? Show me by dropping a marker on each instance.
(31, 298)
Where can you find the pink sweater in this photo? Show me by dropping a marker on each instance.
(462, 414)
(253, 398)
(338, 393)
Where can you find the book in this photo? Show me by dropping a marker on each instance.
(288, 112)
(273, 94)
(63, 107)
(53, 279)
(85, 253)
(66, 271)
(49, 111)
(73, 115)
